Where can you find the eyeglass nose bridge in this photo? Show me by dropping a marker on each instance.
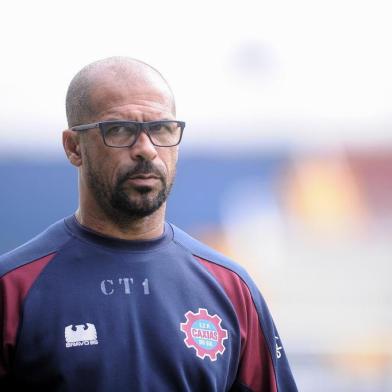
(143, 127)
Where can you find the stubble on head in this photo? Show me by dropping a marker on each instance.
(79, 106)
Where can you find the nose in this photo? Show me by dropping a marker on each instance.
(143, 149)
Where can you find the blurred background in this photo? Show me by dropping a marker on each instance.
(286, 163)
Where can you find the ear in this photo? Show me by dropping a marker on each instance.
(71, 144)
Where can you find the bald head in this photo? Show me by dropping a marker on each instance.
(82, 102)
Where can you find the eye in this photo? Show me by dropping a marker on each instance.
(117, 130)
(164, 127)
(156, 128)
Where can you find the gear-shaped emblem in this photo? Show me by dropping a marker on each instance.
(204, 333)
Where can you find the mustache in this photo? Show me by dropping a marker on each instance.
(142, 167)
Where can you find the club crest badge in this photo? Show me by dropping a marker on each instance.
(204, 333)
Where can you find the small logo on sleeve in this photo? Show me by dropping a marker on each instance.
(80, 335)
(204, 333)
(278, 348)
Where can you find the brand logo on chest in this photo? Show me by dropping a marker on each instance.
(80, 335)
(204, 333)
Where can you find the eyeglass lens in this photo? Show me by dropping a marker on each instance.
(162, 134)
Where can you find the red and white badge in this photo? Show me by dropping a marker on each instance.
(204, 333)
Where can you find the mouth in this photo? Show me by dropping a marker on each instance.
(144, 176)
(145, 180)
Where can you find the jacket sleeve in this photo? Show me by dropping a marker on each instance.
(15, 283)
(9, 313)
(263, 365)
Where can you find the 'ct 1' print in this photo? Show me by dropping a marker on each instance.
(126, 286)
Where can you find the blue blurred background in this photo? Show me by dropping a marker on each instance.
(286, 164)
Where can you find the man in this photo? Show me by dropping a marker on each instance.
(114, 298)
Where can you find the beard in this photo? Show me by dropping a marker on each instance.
(122, 204)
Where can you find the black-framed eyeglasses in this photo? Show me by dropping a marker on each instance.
(118, 134)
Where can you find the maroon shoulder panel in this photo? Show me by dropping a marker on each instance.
(14, 287)
(256, 369)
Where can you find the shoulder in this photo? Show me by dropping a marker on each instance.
(212, 257)
(44, 244)
(199, 249)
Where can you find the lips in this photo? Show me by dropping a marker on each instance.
(143, 180)
(144, 176)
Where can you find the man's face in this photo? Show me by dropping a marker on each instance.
(131, 182)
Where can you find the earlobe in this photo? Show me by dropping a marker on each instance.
(71, 144)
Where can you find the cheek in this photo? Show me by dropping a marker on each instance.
(171, 161)
(97, 162)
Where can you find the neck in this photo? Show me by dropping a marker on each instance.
(146, 228)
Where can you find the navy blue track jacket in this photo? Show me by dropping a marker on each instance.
(83, 312)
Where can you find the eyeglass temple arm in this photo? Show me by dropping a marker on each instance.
(85, 127)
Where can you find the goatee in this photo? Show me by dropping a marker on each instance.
(123, 205)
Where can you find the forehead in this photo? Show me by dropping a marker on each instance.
(115, 93)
